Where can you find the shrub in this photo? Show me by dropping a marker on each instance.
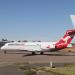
(30, 72)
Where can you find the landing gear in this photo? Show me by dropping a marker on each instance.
(33, 53)
(41, 53)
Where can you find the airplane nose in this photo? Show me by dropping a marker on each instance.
(2, 48)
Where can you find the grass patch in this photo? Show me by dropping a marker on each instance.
(26, 68)
(68, 69)
(30, 72)
(23, 66)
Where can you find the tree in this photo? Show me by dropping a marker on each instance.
(19, 40)
(39, 41)
(25, 41)
(4, 39)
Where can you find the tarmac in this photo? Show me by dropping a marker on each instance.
(19, 57)
(57, 58)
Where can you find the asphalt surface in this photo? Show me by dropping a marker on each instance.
(56, 57)
(10, 70)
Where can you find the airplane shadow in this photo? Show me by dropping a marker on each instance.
(49, 55)
(25, 55)
(14, 53)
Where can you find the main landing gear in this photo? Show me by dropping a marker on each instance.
(41, 53)
(33, 53)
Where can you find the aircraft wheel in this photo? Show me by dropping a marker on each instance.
(41, 53)
(33, 53)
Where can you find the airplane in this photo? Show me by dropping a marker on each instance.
(42, 47)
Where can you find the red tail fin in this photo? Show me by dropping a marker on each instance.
(63, 43)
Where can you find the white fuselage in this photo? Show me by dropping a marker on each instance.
(29, 46)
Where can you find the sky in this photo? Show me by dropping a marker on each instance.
(45, 20)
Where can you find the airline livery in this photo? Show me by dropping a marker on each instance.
(42, 47)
